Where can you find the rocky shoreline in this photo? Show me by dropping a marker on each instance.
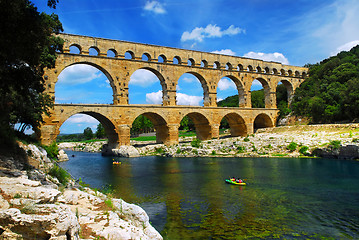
(329, 140)
(34, 205)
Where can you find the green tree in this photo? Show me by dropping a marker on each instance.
(100, 131)
(27, 46)
(88, 134)
(257, 98)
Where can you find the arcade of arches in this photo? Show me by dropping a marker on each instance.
(118, 60)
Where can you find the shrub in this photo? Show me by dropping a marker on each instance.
(241, 149)
(303, 149)
(246, 139)
(355, 140)
(335, 144)
(195, 151)
(213, 152)
(60, 174)
(292, 146)
(52, 150)
(178, 151)
(196, 143)
(159, 150)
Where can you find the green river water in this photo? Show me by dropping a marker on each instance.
(187, 198)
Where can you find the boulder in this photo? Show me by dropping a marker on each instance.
(123, 151)
(62, 156)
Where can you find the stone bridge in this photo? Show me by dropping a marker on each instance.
(118, 60)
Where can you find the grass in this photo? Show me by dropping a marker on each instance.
(60, 174)
(153, 138)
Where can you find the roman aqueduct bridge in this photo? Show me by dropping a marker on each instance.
(118, 60)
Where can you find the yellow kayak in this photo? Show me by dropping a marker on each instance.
(235, 183)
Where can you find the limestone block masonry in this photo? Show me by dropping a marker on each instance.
(118, 60)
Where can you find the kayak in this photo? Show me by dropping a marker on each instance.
(235, 183)
(116, 162)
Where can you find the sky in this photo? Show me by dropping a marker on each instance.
(291, 32)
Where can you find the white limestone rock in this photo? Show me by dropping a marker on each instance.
(62, 156)
(126, 151)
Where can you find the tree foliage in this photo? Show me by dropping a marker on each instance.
(141, 125)
(331, 92)
(100, 131)
(88, 134)
(27, 46)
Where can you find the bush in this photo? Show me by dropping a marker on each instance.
(246, 139)
(241, 149)
(303, 149)
(213, 152)
(52, 150)
(335, 144)
(292, 146)
(159, 151)
(196, 143)
(60, 174)
(178, 151)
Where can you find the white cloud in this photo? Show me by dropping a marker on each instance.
(275, 57)
(78, 74)
(225, 52)
(219, 99)
(225, 84)
(184, 99)
(154, 97)
(189, 79)
(345, 47)
(81, 118)
(154, 6)
(143, 78)
(211, 31)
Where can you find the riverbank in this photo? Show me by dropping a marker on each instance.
(35, 205)
(328, 140)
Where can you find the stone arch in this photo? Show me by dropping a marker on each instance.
(266, 70)
(129, 55)
(177, 60)
(258, 69)
(75, 47)
(165, 92)
(282, 72)
(290, 90)
(297, 74)
(104, 71)
(290, 72)
(249, 68)
(162, 58)
(191, 62)
(262, 120)
(202, 125)
(304, 74)
(109, 126)
(267, 92)
(159, 124)
(229, 66)
(240, 89)
(205, 87)
(240, 67)
(112, 53)
(275, 71)
(204, 64)
(237, 124)
(216, 65)
(94, 51)
(146, 57)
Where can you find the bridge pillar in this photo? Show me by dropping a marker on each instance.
(270, 101)
(124, 134)
(212, 100)
(245, 101)
(169, 98)
(250, 128)
(172, 138)
(215, 130)
(203, 131)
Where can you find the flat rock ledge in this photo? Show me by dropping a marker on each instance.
(29, 210)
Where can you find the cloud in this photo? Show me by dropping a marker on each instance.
(78, 74)
(154, 97)
(225, 84)
(189, 79)
(275, 57)
(184, 99)
(225, 52)
(143, 78)
(211, 31)
(81, 118)
(155, 7)
(345, 47)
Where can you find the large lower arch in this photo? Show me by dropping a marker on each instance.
(104, 71)
(159, 124)
(202, 125)
(237, 125)
(110, 129)
(262, 121)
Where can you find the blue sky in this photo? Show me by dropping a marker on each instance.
(287, 31)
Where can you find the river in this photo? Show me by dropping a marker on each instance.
(187, 198)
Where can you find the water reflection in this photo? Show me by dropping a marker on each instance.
(186, 198)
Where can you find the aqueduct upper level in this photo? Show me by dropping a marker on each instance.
(118, 60)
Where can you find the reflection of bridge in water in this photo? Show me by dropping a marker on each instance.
(118, 60)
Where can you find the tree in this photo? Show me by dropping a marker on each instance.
(100, 131)
(27, 46)
(88, 134)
